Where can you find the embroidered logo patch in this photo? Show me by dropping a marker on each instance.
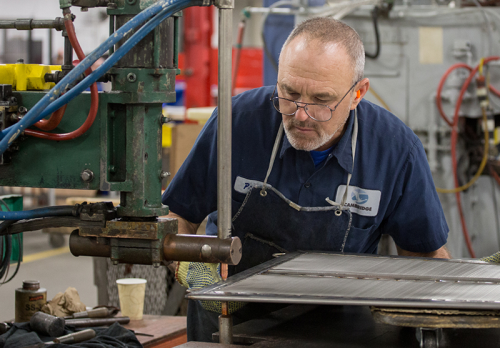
(243, 185)
(360, 201)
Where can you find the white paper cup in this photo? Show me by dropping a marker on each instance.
(131, 294)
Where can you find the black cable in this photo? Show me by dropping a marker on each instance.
(19, 257)
(266, 49)
(6, 249)
(6, 260)
(375, 13)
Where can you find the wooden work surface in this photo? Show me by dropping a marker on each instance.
(167, 331)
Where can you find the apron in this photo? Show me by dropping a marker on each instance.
(268, 223)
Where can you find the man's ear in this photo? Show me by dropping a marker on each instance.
(361, 89)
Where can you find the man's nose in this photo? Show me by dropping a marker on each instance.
(301, 115)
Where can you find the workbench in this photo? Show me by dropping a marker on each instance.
(313, 326)
(167, 331)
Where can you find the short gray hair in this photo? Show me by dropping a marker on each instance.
(329, 30)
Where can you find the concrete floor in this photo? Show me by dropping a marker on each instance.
(55, 273)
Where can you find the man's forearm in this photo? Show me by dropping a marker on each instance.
(185, 227)
(441, 253)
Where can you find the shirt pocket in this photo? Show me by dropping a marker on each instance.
(362, 240)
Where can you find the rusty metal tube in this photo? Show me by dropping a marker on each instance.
(202, 249)
(88, 246)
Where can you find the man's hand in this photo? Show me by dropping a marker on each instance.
(441, 253)
(185, 227)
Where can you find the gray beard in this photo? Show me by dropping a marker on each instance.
(304, 144)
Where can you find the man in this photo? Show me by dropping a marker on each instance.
(344, 171)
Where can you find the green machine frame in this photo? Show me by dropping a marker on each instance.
(120, 152)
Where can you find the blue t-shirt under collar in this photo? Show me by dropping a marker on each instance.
(319, 156)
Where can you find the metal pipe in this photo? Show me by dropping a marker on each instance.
(30, 24)
(202, 249)
(68, 55)
(50, 47)
(224, 130)
(88, 246)
(225, 329)
(224, 127)
(90, 322)
(194, 248)
(29, 49)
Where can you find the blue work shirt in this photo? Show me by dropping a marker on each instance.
(391, 190)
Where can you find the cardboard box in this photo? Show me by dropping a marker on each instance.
(183, 138)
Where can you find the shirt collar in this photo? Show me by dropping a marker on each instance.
(343, 150)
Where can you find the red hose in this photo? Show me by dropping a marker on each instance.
(440, 87)
(53, 121)
(454, 139)
(94, 95)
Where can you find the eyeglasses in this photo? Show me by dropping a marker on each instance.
(318, 112)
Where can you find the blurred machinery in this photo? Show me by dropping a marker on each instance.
(434, 64)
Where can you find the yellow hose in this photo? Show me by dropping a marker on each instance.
(483, 161)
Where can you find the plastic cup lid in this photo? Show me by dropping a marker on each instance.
(131, 281)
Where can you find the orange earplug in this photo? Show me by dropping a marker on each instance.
(358, 94)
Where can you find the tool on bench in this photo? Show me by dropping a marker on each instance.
(89, 322)
(47, 325)
(102, 312)
(75, 337)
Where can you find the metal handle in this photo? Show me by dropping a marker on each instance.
(76, 337)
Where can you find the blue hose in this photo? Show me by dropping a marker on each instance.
(35, 114)
(108, 63)
(63, 210)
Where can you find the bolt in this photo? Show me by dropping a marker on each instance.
(206, 251)
(87, 175)
(22, 110)
(131, 77)
(13, 100)
(156, 264)
(165, 119)
(164, 175)
(15, 118)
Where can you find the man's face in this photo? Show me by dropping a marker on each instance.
(310, 72)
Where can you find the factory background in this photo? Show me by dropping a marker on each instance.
(413, 48)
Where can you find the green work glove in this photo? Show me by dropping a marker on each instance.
(197, 275)
(495, 258)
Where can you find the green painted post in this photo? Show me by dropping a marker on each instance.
(14, 203)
